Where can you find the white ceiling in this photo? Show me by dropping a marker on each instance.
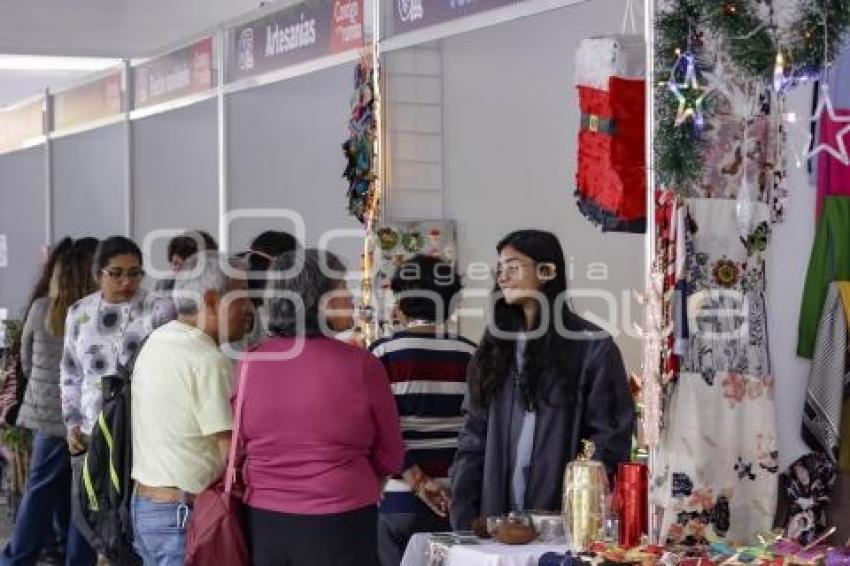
(17, 85)
(98, 28)
(107, 28)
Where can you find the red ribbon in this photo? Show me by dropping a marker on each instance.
(631, 498)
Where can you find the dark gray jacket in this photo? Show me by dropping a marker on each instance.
(41, 353)
(481, 473)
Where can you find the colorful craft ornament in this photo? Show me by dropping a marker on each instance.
(387, 238)
(413, 241)
(359, 148)
(362, 153)
(795, 553)
(689, 94)
(838, 556)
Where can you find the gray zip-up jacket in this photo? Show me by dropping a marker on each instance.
(604, 413)
(41, 353)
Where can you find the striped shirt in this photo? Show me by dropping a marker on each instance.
(427, 374)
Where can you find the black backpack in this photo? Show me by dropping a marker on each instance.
(106, 486)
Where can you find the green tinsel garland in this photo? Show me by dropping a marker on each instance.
(750, 46)
(752, 49)
(678, 149)
(807, 46)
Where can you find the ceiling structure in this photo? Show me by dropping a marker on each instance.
(98, 28)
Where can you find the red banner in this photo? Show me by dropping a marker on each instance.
(177, 74)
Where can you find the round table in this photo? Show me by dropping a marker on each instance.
(485, 553)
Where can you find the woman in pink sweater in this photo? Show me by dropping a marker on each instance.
(319, 427)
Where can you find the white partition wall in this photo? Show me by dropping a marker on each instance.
(175, 174)
(89, 183)
(22, 223)
(284, 144)
(508, 118)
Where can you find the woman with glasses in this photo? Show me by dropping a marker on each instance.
(542, 380)
(102, 330)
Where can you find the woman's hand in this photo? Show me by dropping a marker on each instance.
(76, 440)
(435, 496)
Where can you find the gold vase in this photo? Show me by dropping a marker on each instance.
(586, 500)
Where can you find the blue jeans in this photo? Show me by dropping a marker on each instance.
(47, 499)
(159, 531)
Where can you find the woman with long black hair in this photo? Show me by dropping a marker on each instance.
(48, 489)
(542, 379)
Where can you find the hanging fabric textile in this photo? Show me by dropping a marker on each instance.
(663, 329)
(720, 463)
(829, 261)
(829, 380)
(670, 234)
(611, 170)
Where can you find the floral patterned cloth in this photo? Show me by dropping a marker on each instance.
(810, 480)
(745, 140)
(98, 336)
(718, 473)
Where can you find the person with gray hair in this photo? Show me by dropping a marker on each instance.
(319, 427)
(181, 418)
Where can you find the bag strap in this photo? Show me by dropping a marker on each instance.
(230, 473)
(131, 361)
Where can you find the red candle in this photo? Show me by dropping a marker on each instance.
(632, 495)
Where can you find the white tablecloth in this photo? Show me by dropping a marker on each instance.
(487, 553)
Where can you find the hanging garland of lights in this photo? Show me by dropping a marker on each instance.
(754, 46)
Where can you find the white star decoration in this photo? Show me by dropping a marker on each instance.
(835, 148)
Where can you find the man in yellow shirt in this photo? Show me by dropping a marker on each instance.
(181, 417)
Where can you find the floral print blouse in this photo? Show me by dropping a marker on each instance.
(98, 336)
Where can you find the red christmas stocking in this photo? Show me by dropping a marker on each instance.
(610, 174)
